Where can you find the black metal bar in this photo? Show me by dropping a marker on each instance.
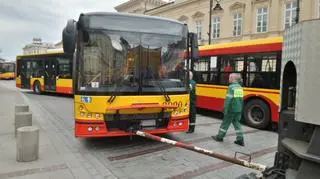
(210, 19)
(298, 12)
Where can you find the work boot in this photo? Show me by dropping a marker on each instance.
(217, 138)
(241, 143)
(191, 130)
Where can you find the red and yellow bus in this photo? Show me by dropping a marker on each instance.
(258, 61)
(51, 72)
(126, 76)
(7, 70)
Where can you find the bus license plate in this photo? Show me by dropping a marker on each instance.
(148, 123)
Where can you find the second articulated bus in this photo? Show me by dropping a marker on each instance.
(45, 73)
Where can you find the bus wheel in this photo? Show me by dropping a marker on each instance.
(37, 87)
(257, 114)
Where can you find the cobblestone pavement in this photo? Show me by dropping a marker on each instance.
(64, 156)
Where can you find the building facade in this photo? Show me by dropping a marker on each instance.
(139, 6)
(238, 19)
(39, 47)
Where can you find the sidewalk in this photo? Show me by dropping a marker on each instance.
(55, 159)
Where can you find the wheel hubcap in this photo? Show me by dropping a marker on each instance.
(256, 114)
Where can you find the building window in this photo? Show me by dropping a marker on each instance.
(216, 27)
(237, 24)
(199, 28)
(262, 18)
(290, 14)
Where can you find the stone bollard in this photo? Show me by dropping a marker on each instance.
(27, 144)
(22, 119)
(21, 108)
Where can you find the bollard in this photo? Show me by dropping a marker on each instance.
(22, 119)
(27, 144)
(21, 108)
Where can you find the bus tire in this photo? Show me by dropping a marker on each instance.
(37, 87)
(257, 114)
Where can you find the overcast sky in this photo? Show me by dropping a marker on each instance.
(21, 20)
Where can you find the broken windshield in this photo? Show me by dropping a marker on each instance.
(115, 61)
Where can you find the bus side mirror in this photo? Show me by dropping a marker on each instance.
(194, 45)
(69, 37)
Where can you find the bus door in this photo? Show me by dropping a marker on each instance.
(50, 74)
(25, 73)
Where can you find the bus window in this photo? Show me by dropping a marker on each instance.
(213, 70)
(64, 69)
(261, 71)
(37, 69)
(201, 68)
(230, 64)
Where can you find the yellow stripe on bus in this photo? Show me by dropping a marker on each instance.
(216, 91)
(242, 43)
(64, 83)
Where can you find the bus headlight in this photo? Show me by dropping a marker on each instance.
(82, 114)
(90, 129)
(97, 116)
(89, 115)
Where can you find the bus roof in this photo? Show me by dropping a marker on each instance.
(8, 62)
(131, 23)
(42, 54)
(245, 46)
(130, 15)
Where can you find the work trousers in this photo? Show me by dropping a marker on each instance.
(234, 118)
(192, 119)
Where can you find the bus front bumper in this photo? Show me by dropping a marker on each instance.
(95, 128)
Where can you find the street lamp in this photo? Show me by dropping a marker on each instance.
(298, 11)
(216, 8)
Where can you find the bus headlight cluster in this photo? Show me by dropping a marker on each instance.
(90, 129)
(175, 124)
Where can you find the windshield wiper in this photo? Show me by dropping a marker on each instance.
(113, 96)
(164, 92)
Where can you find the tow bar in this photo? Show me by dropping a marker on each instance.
(235, 160)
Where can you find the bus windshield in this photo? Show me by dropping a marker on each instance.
(124, 62)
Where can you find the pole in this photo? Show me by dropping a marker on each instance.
(210, 20)
(298, 12)
(210, 153)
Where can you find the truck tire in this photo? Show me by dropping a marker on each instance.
(257, 114)
(37, 87)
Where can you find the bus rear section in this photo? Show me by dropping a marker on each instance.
(128, 76)
(7, 70)
(259, 63)
(45, 73)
